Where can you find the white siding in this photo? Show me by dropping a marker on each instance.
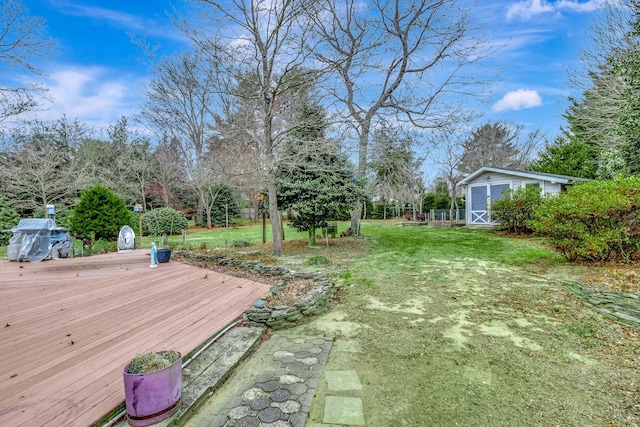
(489, 178)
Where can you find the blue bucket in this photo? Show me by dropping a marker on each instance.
(164, 255)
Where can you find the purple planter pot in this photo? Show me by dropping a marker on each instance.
(152, 397)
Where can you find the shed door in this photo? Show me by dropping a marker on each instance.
(481, 198)
(479, 214)
(496, 192)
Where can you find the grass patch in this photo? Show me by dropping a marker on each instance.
(465, 327)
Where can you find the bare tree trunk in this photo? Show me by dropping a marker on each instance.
(276, 230)
(363, 146)
(207, 210)
(312, 236)
(356, 213)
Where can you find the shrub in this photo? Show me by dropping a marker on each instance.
(318, 260)
(163, 220)
(99, 214)
(9, 218)
(515, 211)
(152, 361)
(595, 221)
(240, 243)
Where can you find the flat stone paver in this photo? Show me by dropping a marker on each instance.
(343, 381)
(281, 394)
(619, 306)
(343, 410)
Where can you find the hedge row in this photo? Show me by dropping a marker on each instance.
(592, 221)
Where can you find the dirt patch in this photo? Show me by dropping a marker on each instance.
(292, 292)
(619, 278)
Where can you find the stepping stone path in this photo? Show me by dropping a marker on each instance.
(343, 410)
(280, 396)
(624, 308)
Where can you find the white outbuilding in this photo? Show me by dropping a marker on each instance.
(486, 185)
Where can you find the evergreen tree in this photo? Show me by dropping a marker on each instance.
(313, 178)
(498, 145)
(100, 214)
(607, 116)
(9, 218)
(567, 156)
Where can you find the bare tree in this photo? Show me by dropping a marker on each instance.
(395, 166)
(181, 101)
(23, 42)
(265, 41)
(169, 175)
(38, 165)
(406, 59)
(450, 152)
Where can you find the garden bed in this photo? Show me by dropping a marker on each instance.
(293, 296)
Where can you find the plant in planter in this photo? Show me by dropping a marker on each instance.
(152, 386)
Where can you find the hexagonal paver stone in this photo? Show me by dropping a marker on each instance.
(280, 354)
(290, 379)
(260, 403)
(254, 393)
(279, 395)
(343, 410)
(298, 419)
(240, 412)
(245, 422)
(287, 359)
(288, 407)
(270, 386)
(296, 388)
(306, 374)
(297, 367)
(263, 378)
(309, 360)
(269, 415)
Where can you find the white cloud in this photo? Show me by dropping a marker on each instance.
(530, 8)
(518, 99)
(94, 95)
(135, 23)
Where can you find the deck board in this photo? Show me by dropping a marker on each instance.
(67, 327)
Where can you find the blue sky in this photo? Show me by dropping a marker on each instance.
(98, 73)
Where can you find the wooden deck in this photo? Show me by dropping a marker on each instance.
(67, 327)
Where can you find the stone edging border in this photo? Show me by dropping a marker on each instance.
(618, 306)
(281, 316)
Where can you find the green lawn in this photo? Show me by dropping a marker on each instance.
(459, 327)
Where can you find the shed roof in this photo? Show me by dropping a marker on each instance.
(561, 179)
